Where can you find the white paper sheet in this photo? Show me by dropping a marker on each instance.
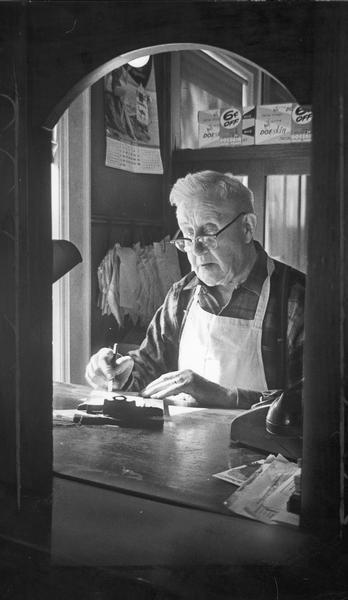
(238, 475)
(264, 495)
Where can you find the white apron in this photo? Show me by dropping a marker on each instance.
(226, 350)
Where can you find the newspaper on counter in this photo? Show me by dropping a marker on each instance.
(238, 475)
(264, 495)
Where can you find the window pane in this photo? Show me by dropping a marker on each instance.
(204, 85)
(285, 225)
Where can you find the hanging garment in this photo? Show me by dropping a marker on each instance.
(167, 262)
(134, 281)
(113, 293)
(104, 278)
(156, 294)
(128, 281)
(224, 349)
(143, 297)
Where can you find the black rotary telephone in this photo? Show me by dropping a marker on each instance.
(273, 425)
(284, 416)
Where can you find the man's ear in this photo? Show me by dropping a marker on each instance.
(249, 226)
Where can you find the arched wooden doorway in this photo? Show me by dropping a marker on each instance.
(55, 51)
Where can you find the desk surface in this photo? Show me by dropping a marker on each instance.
(175, 464)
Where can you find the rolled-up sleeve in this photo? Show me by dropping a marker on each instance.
(158, 353)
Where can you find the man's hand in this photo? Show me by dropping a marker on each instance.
(205, 392)
(101, 369)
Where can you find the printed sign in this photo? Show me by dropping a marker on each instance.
(220, 127)
(261, 124)
(131, 120)
(248, 125)
(230, 119)
(301, 123)
(273, 123)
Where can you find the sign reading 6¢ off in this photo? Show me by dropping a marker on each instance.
(230, 118)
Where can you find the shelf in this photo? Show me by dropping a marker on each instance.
(105, 220)
(281, 151)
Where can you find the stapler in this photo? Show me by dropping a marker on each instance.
(120, 411)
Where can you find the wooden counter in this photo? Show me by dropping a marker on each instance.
(175, 463)
(138, 497)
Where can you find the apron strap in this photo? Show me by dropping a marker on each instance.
(194, 294)
(264, 296)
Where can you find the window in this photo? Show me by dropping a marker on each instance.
(70, 175)
(285, 212)
(206, 80)
(60, 230)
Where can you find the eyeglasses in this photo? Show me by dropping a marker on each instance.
(208, 242)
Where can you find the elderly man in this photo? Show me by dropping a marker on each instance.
(232, 327)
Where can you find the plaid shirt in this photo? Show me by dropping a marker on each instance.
(159, 351)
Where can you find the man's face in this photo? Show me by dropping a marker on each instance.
(201, 216)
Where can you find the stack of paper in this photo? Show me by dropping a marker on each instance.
(264, 495)
(239, 475)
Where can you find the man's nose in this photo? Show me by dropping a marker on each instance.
(198, 248)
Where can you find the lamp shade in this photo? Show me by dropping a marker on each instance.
(65, 257)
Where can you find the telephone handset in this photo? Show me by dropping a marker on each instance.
(284, 415)
(273, 425)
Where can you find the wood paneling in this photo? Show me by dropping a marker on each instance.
(325, 365)
(114, 192)
(126, 208)
(71, 40)
(8, 240)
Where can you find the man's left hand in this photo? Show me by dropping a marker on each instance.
(205, 392)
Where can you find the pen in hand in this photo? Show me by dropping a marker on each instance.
(112, 364)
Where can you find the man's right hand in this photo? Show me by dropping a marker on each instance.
(102, 368)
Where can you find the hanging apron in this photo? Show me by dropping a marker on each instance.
(226, 350)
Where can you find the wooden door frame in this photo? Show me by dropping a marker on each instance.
(57, 51)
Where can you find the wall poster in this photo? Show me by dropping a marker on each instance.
(131, 119)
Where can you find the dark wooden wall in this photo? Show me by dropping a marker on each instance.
(325, 365)
(72, 39)
(116, 193)
(8, 353)
(125, 207)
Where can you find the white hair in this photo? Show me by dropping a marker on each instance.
(224, 187)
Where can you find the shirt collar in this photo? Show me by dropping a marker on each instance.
(193, 283)
(258, 273)
(255, 279)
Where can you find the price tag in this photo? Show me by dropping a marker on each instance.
(230, 118)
